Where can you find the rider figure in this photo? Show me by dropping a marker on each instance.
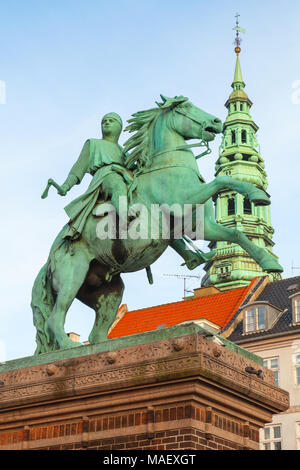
(100, 158)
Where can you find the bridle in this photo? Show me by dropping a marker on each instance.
(185, 147)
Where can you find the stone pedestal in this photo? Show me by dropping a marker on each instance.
(171, 389)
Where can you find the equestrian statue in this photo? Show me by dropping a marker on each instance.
(156, 168)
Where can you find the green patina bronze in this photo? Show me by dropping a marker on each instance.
(159, 168)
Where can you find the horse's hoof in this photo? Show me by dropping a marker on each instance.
(259, 197)
(98, 340)
(275, 269)
(68, 344)
(261, 202)
(270, 265)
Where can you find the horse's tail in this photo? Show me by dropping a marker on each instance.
(42, 303)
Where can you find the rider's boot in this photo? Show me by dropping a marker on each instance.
(191, 258)
(196, 259)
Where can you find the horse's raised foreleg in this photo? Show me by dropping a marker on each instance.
(254, 194)
(69, 275)
(109, 298)
(216, 232)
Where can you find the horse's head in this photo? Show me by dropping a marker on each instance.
(189, 121)
(163, 128)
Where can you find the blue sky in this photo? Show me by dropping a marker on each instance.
(65, 63)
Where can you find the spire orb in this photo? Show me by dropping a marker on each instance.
(237, 50)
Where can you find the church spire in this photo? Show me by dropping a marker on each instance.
(240, 158)
(238, 82)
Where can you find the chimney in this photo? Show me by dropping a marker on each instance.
(206, 291)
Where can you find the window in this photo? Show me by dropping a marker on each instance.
(261, 318)
(231, 206)
(244, 137)
(225, 270)
(295, 299)
(247, 206)
(297, 309)
(233, 137)
(272, 438)
(256, 319)
(250, 320)
(273, 364)
(297, 369)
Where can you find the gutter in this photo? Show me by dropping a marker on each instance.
(273, 335)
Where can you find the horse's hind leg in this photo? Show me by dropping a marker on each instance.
(208, 190)
(68, 277)
(216, 232)
(106, 304)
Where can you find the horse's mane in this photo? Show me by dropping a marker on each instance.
(140, 123)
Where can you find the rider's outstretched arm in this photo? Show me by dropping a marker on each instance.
(79, 169)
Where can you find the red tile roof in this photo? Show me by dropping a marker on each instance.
(217, 308)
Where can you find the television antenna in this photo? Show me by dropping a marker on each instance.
(185, 278)
(295, 268)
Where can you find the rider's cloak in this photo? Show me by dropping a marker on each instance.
(96, 158)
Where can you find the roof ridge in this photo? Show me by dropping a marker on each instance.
(242, 297)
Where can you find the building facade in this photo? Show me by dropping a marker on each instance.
(270, 327)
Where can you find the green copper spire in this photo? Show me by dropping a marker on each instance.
(240, 158)
(238, 82)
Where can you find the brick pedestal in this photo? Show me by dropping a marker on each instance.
(180, 390)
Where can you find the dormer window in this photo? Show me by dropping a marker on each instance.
(255, 319)
(296, 307)
(259, 316)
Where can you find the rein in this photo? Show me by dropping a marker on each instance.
(185, 147)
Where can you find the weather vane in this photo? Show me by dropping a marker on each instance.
(238, 30)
